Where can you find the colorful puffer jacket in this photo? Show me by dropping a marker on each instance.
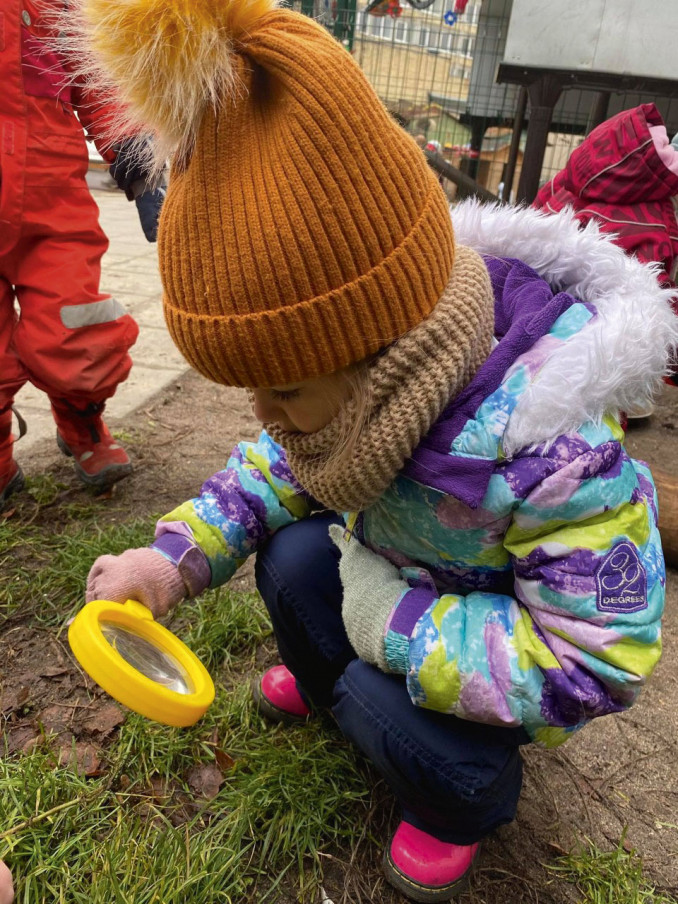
(525, 535)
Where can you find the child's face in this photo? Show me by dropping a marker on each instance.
(302, 407)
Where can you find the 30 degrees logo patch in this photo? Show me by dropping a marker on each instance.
(621, 582)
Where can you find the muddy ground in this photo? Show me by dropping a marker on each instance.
(619, 773)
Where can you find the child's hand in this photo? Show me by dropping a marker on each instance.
(372, 587)
(6, 887)
(138, 574)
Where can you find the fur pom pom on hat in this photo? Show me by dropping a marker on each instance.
(303, 229)
(166, 60)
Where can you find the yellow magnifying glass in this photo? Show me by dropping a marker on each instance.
(140, 663)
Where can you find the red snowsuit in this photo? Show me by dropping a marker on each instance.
(70, 340)
(618, 177)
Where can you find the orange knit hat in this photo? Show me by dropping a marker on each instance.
(303, 229)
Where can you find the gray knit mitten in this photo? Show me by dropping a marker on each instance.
(372, 587)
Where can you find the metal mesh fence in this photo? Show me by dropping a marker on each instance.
(435, 69)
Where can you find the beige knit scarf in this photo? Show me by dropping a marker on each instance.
(408, 388)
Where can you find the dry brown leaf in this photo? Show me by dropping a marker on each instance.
(83, 758)
(225, 761)
(205, 779)
(18, 738)
(53, 671)
(105, 719)
(14, 699)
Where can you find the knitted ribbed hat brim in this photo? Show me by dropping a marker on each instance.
(264, 348)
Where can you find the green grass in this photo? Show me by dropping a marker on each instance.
(288, 795)
(138, 833)
(46, 569)
(609, 877)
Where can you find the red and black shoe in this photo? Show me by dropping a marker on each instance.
(11, 482)
(100, 461)
(425, 869)
(278, 699)
(11, 476)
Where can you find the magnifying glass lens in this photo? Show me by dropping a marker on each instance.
(150, 660)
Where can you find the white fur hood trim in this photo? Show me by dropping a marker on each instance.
(613, 364)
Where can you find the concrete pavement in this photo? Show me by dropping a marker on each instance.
(130, 273)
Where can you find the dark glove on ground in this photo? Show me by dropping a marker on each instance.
(149, 205)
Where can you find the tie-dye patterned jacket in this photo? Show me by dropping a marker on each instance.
(526, 537)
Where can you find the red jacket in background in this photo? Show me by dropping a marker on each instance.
(617, 177)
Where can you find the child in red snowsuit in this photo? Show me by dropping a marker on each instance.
(69, 340)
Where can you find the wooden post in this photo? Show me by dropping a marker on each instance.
(599, 110)
(543, 94)
(518, 123)
(469, 185)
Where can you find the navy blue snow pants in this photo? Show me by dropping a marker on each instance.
(457, 780)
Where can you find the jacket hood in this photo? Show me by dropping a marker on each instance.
(617, 360)
(618, 163)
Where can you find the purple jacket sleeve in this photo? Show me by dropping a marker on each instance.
(238, 508)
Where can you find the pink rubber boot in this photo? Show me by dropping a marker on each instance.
(426, 869)
(277, 697)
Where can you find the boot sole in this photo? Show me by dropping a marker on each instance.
(424, 894)
(272, 712)
(105, 478)
(16, 484)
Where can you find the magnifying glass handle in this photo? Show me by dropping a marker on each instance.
(138, 610)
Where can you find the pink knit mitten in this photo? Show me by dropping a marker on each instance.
(6, 887)
(137, 574)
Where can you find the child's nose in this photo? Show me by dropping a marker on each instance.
(264, 407)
